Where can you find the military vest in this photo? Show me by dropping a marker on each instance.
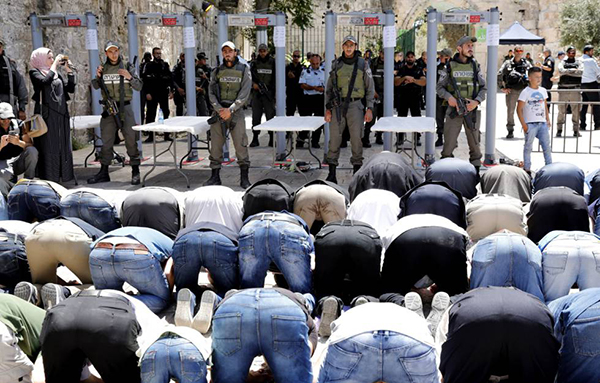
(377, 70)
(464, 73)
(230, 81)
(344, 74)
(265, 71)
(112, 79)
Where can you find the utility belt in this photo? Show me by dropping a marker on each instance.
(352, 99)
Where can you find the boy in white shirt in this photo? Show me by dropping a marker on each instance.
(532, 110)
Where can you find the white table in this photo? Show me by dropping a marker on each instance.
(294, 125)
(90, 122)
(412, 125)
(181, 124)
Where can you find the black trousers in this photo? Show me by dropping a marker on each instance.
(293, 101)
(312, 105)
(347, 261)
(261, 104)
(440, 115)
(152, 106)
(101, 329)
(409, 102)
(377, 114)
(590, 97)
(435, 251)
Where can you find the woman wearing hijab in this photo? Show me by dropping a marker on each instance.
(55, 154)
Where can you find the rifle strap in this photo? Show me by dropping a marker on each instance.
(121, 93)
(350, 86)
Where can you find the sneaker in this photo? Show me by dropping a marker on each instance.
(53, 294)
(439, 305)
(27, 292)
(203, 318)
(360, 301)
(329, 314)
(413, 302)
(186, 302)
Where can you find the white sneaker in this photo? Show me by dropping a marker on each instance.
(52, 294)
(413, 302)
(329, 314)
(186, 301)
(360, 301)
(203, 318)
(439, 305)
(27, 292)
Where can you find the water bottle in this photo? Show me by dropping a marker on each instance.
(161, 116)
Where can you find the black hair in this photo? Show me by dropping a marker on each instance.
(155, 49)
(409, 53)
(534, 69)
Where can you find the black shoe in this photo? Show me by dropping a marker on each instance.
(315, 145)
(576, 134)
(582, 127)
(101, 176)
(150, 138)
(440, 140)
(366, 144)
(255, 142)
(135, 174)
(558, 134)
(378, 139)
(355, 168)
(510, 135)
(168, 137)
(299, 144)
(418, 142)
(344, 144)
(331, 176)
(244, 181)
(270, 142)
(214, 179)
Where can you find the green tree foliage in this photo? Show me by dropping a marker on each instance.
(579, 23)
(301, 11)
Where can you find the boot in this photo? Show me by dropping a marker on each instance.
(331, 176)
(255, 142)
(150, 138)
(244, 181)
(379, 138)
(168, 137)
(356, 168)
(440, 140)
(102, 176)
(214, 179)
(271, 139)
(135, 174)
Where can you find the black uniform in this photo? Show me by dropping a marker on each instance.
(440, 106)
(377, 71)
(409, 94)
(263, 72)
(203, 106)
(158, 79)
(293, 91)
(179, 81)
(12, 85)
(547, 75)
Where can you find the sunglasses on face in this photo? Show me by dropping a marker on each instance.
(296, 56)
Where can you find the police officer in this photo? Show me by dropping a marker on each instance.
(312, 81)
(465, 69)
(293, 93)
(547, 71)
(440, 105)
(228, 92)
(263, 91)
(570, 70)
(12, 86)
(349, 82)
(512, 79)
(202, 80)
(179, 81)
(377, 73)
(120, 83)
(159, 81)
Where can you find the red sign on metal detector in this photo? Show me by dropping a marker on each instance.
(262, 21)
(475, 19)
(170, 21)
(371, 20)
(73, 22)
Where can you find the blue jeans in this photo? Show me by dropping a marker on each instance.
(597, 218)
(537, 130)
(570, 258)
(508, 259)
(92, 209)
(110, 268)
(173, 357)
(32, 201)
(272, 325)
(379, 356)
(287, 245)
(13, 261)
(210, 249)
(3, 209)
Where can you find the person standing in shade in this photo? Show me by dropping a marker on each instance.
(13, 89)
(263, 91)
(159, 81)
(179, 82)
(229, 90)
(377, 71)
(589, 80)
(440, 106)
(292, 89)
(312, 82)
(466, 71)
(351, 79)
(512, 79)
(547, 71)
(570, 70)
(410, 80)
(120, 83)
(142, 70)
(203, 107)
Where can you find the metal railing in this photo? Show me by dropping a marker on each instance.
(567, 146)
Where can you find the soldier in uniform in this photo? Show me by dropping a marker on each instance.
(377, 72)
(512, 79)
(159, 82)
(120, 83)
(440, 105)
(263, 91)
(179, 82)
(12, 85)
(229, 90)
(570, 70)
(349, 82)
(203, 107)
(465, 69)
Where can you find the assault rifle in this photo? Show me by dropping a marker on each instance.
(469, 117)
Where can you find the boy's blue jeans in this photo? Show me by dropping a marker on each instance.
(537, 130)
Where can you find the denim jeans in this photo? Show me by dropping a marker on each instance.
(571, 258)
(3, 209)
(31, 201)
(287, 245)
(173, 357)
(92, 209)
(210, 249)
(13, 261)
(272, 325)
(537, 130)
(376, 356)
(597, 218)
(110, 268)
(507, 259)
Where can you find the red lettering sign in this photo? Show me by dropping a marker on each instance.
(371, 20)
(475, 19)
(170, 21)
(73, 23)
(263, 21)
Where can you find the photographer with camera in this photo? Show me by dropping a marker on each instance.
(512, 79)
(17, 154)
(570, 70)
(117, 83)
(462, 101)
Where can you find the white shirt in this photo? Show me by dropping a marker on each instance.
(535, 105)
(312, 77)
(201, 342)
(379, 208)
(418, 220)
(218, 204)
(591, 70)
(14, 363)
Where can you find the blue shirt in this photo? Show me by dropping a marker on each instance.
(312, 77)
(158, 244)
